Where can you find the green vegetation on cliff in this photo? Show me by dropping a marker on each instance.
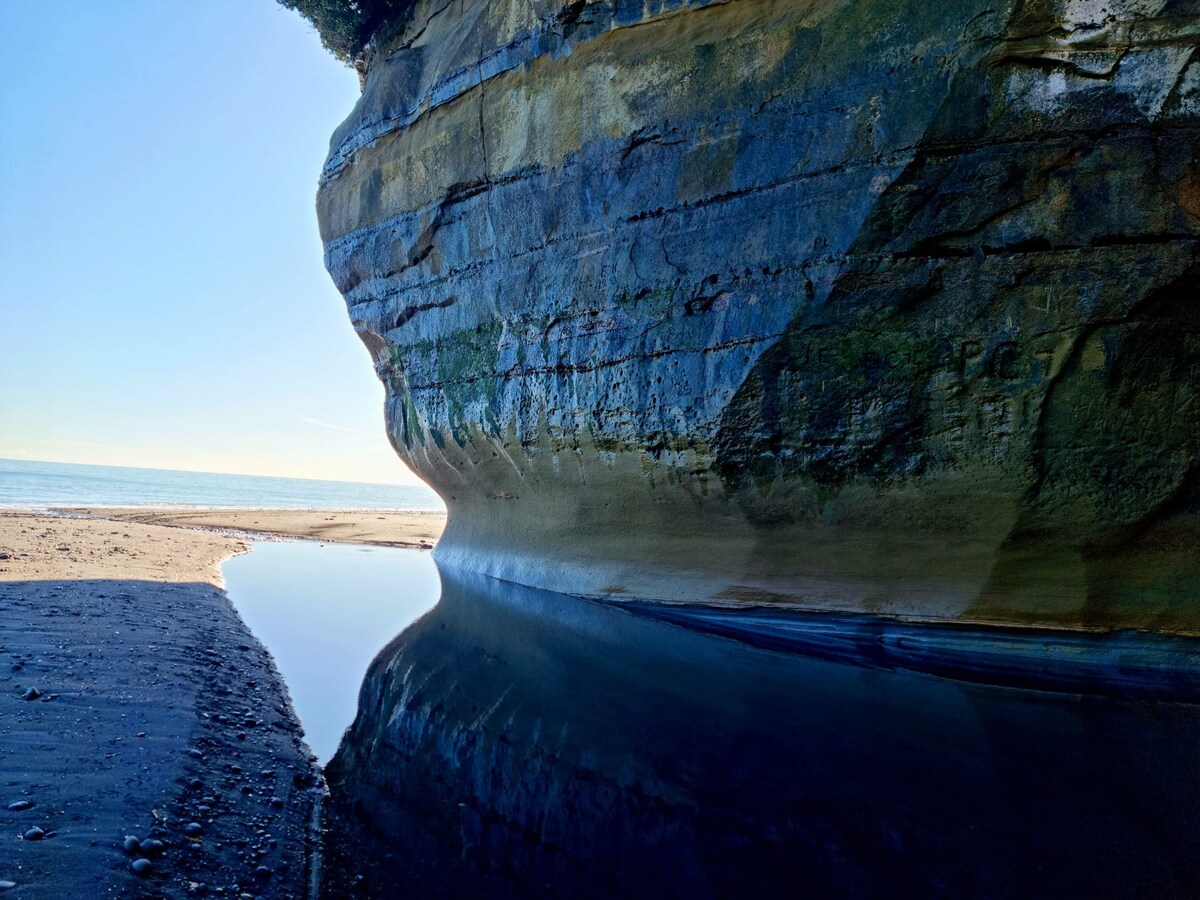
(345, 26)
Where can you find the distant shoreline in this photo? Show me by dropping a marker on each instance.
(40, 486)
(412, 528)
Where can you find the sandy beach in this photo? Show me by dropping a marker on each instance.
(137, 703)
(405, 528)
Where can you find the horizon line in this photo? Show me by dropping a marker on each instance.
(55, 462)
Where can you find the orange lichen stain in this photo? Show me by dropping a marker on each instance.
(1189, 192)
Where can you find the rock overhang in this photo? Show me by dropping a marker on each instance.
(718, 301)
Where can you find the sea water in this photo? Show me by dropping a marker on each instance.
(27, 484)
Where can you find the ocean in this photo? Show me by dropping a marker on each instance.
(24, 483)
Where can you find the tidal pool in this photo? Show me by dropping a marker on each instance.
(510, 742)
(324, 611)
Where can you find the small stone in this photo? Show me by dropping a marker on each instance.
(141, 866)
(277, 802)
(263, 873)
(193, 829)
(196, 784)
(153, 847)
(31, 694)
(7, 885)
(131, 844)
(20, 805)
(194, 753)
(34, 834)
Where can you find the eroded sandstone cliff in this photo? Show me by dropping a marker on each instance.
(882, 305)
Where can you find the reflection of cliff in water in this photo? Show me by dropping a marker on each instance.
(515, 742)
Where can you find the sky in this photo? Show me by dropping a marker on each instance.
(162, 297)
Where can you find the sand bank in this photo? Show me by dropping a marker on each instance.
(405, 528)
(150, 707)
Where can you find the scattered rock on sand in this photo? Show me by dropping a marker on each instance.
(34, 834)
(131, 844)
(31, 694)
(20, 805)
(193, 829)
(146, 640)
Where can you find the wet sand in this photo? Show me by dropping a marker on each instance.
(404, 528)
(152, 711)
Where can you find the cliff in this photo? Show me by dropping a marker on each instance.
(881, 305)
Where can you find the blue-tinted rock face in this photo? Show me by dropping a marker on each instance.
(881, 306)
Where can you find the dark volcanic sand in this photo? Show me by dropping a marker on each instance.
(159, 709)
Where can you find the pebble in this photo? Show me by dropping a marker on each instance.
(263, 872)
(34, 834)
(20, 805)
(153, 847)
(194, 753)
(193, 829)
(131, 844)
(7, 885)
(31, 694)
(141, 866)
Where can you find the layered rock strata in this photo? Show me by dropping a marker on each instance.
(881, 305)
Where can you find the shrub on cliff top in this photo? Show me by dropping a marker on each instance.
(345, 26)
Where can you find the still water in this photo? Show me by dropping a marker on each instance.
(509, 742)
(324, 611)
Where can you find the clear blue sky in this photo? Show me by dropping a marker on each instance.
(162, 297)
